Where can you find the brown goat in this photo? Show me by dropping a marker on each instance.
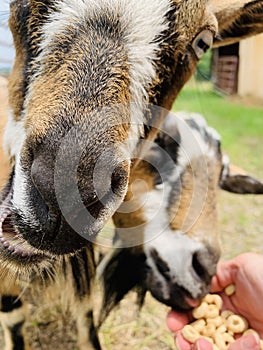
(85, 75)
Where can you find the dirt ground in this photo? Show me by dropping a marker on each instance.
(241, 229)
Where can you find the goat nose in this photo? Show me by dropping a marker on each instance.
(200, 262)
(180, 271)
(204, 263)
(92, 190)
(198, 265)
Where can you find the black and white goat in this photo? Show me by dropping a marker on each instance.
(166, 230)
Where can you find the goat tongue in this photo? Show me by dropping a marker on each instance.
(192, 302)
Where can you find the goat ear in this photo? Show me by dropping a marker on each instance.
(234, 179)
(120, 272)
(237, 19)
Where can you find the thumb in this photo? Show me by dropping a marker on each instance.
(176, 320)
(202, 344)
(226, 274)
(247, 342)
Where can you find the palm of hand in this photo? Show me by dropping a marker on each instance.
(246, 272)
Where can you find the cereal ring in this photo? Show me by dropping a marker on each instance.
(216, 327)
(209, 330)
(237, 324)
(216, 321)
(223, 340)
(198, 324)
(226, 313)
(221, 329)
(190, 334)
(200, 311)
(250, 331)
(214, 299)
(215, 347)
(230, 332)
(211, 311)
(230, 290)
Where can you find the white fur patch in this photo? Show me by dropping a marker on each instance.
(177, 250)
(20, 198)
(9, 320)
(14, 136)
(12, 318)
(13, 140)
(225, 167)
(193, 143)
(154, 205)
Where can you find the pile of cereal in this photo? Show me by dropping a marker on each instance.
(218, 327)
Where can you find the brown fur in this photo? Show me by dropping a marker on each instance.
(182, 217)
(140, 172)
(234, 19)
(16, 80)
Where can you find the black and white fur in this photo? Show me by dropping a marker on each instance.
(174, 261)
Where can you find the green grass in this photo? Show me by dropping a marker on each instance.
(240, 126)
(203, 72)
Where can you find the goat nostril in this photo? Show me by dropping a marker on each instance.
(119, 179)
(53, 221)
(198, 268)
(42, 177)
(161, 265)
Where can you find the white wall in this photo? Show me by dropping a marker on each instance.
(250, 81)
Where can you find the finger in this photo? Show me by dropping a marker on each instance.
(247, 342)
(176, 320)
(181, 343)
(202, 344)
(226, 275)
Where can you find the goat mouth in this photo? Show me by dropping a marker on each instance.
(176, 297)
(12, 245)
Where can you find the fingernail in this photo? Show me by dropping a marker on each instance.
(249, 341)
(181, 343)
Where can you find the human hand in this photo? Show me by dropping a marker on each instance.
(246, 342)
(246, 272)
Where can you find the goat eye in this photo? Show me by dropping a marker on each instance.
(202, 42)
(159, 185)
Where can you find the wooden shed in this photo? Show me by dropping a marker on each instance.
(238, 68)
